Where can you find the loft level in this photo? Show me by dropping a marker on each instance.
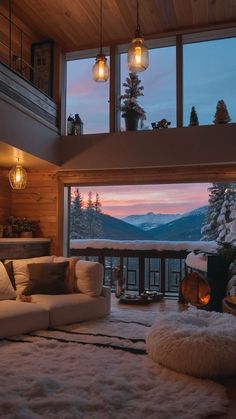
(18, 91)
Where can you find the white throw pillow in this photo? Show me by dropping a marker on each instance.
(7, 291)
(89, 277)
(21, 272)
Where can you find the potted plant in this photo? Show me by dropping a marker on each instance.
(22, 227)
(131, 110)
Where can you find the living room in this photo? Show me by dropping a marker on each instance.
(34, 129)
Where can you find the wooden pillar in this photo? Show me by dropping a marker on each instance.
(114, 88)
(179, 81)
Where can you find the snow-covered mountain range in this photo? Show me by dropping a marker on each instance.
(150, 220)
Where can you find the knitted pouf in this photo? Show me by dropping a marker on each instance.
(195, 342)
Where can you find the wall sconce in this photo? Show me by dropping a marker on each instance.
(138, 59)
(17, 177)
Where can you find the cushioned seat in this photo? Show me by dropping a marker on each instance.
(195, 342)
(17, 317)
(73, 308)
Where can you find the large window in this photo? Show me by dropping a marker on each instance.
(209, 68)
(86, 97)
(209, 76)
(159, 82)
(144, 212)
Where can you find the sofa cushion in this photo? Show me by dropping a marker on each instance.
(71, 308)
(21, 272)
(17, 317)
(47, 278)
(70, 273)
(89, 277)
(9, 268)
(7, 291)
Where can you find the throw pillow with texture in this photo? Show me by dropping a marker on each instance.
(7, 291)
(89, 277)
(70, 273)
(47, 278)
(9, 268)
(21, 272)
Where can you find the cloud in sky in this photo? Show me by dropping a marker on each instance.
(120, 201)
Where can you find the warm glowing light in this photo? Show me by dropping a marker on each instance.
(138, 59)
(137, 53)
(100, 69)
(17, 177)
(205, 300)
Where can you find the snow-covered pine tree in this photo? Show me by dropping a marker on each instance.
(227, 216)
(221, 114)
(89, 217)
(98, 224)
(221, 212)
(77, 230)
(193, 117)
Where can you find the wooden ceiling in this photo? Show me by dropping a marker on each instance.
(74, 24)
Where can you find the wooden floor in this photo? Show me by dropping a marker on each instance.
(173, 305)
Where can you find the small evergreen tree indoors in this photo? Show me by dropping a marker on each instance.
(193, 117)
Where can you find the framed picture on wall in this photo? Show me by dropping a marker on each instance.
(42, 66)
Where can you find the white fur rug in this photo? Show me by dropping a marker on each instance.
(98, 370)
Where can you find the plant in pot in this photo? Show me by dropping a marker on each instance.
(22, 227)
(130, 108)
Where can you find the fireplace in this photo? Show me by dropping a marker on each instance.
(206, 289)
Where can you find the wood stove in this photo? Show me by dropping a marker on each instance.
(206, 289)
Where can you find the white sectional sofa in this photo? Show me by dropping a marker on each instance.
(86, 299)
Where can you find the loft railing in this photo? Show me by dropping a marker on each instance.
(13, 52)
(26, 96)
(142, 269)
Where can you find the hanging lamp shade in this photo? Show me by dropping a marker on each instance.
(17, 177)
(138, 57)
(100, 70)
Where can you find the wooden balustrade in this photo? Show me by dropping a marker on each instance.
(143, 269)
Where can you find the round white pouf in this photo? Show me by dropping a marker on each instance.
(195, 342)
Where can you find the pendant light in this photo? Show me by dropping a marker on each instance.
(138, 53)
(17, 177)
(100, 69)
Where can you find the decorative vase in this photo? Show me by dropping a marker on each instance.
(26, 234)
(131, 121)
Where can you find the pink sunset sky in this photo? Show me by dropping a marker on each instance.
(120, 201)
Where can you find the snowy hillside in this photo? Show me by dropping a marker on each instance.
(150, 220)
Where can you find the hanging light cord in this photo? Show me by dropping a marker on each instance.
(138, 29)
(100, 26)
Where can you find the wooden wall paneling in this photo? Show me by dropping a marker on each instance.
(38, 201)
(73, 24)
(5, 196)
(152, 175)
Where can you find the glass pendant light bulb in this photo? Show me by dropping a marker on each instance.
(138, 59)
(17, 177)
(100, 70)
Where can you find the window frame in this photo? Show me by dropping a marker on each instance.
(114, 51)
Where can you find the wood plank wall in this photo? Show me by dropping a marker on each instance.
(38, 201)
(5, 196)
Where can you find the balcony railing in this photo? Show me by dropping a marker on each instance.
(142, 269)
